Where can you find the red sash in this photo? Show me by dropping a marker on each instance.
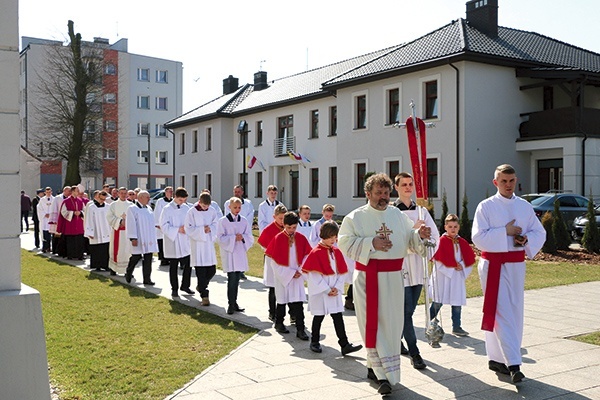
(490, 297)
(116, 239)
(372, 293)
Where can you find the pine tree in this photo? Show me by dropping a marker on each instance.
(559, 228)
(444, 212)
(591, 235)
(465, 223)
(550, 243)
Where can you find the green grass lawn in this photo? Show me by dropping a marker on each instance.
(592, 338)
(106, 340)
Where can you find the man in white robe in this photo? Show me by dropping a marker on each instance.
(267, 207)
(98, 231)
(505, 229)
(142, 237)
(247, 207)
(378, 237)
(119, 244)
(158, 207)
(44, 210)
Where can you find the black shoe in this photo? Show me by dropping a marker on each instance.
(515, 374)
(187, 290)
(292, 320)
(349, 305)
(403, 350)
(350, 348)
(281, 328)
(230, 310)
(243, 277)
(174, 293)
(238, 308)
(498, 367)
(301, 334)
(384, 387)
(271, 317)
(98, 269)
(149, 283)
(417, 362)
(316, 347)
(371, 375)
(113, 272)
(128, 278)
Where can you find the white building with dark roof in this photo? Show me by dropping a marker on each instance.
(496, 95)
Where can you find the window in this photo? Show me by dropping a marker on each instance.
(110, 126)
(143, 102)
(90, 127)
(182, 180)
(161, 131)
(286, 127)
(314, 124)
(208, 182)
(160, 183)
(360, 169)
(161, 76)
(393, 169)
(110, 154)
(333, 121)
(110, 98)
(432, 177)
(142, 156)
(161, 103)
(182, 143)
(431, 99)
(393, 107)
(258, 189)
(361, 112)
(110, 69)
(161, 157)
(285, 135)
(110, 180)
(314, 182)
(143, 128)
(209, 139)
(332, 181)
(142, 182)
(194, 185)
(143, 74)
(259, 134)
(194, 141)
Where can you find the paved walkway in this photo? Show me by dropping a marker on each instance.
(275, 366)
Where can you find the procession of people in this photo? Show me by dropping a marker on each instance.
(385, 250)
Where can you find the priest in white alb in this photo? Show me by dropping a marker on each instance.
(377, 238)
(505, 229)
(142, 237)
(119, 244)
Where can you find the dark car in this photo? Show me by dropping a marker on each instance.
(571, 206)
(580, 223)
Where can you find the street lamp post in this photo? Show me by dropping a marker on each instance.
(243, 131)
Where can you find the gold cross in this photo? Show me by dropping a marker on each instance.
(384, 232)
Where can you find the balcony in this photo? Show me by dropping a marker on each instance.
(281, 146)
(561, 121)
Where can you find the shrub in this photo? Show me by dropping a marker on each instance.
(444, 212)
(550, 243)
(465, 223)
(559, 228)
(591, 236)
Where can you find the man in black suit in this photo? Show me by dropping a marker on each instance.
(36, 220)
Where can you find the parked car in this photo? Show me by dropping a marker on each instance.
(154, 197)
(531, 196)
(570, 205)
(580, 223)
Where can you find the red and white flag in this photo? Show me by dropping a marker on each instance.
(251, 161)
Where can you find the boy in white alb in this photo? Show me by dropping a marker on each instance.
(267, 207)
(305, 227)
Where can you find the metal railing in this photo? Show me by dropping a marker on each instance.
(281, 146)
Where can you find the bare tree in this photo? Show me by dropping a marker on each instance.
(70, 105)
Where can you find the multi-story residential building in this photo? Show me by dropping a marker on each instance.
(136, 95)
(495, 94)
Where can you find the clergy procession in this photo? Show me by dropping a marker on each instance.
(375, 266)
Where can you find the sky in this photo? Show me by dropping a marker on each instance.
(215, 39)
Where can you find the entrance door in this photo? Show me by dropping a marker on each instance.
(294, 175)
(550, 175)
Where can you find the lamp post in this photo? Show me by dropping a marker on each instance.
(243, 131)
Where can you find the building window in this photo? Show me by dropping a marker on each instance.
(286, 127)
(110, 154)
(314, 182)
(143, 129)
(110, 126)
(110, 98)
(143, 74)
(208, 146)
(90, 127)
(194, 141)
(360, 169)
(314, 124)
(432, 177)
(182, 180)
(161, 76)
(160, 183)
(243, 140)
(209, 182)
(182, 143)
(361, 112)
(161, 131)
(258, 188)
(110, 180)
(431, 99)
(143, 102)
(333, 121)
(332, 181)
(110, 69)
(161, 157)
(194, 185)
(142, 156)
(393, 107)
(259, 134)
(161, 103)
(393, 169)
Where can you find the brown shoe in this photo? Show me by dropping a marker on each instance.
(349, 305)
(205, 302)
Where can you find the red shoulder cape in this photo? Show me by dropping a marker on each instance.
(445, 252)
(267, 235)
(318, 261)
(279, 248)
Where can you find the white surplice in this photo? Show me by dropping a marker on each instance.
(447, 285)
(44, 210)
(319, 285)
(489, 234)
(234, 255)
(175, 243)
(414, 270)
(119, 248)
(96, 224)
(202, 243)
(247, 211)
(287, 288)
(140, 226)
(265, 213)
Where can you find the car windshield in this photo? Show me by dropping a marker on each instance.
(540, 200)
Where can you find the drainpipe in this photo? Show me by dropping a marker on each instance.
(173, 178)
(583, 164)
(457, 137)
